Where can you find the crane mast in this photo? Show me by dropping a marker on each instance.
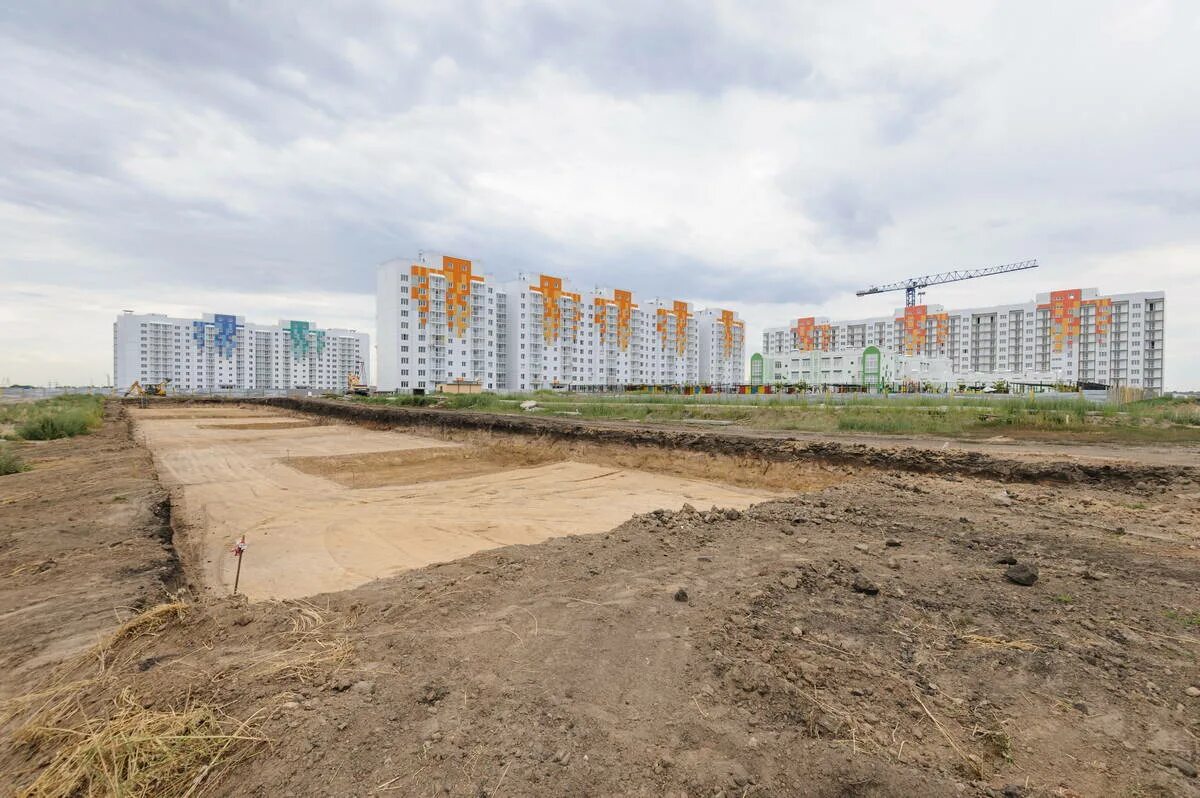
(911, 285)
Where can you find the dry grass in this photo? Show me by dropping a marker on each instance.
(30, 567)
(998, 642)
(52, 706)
(972, 765)
(136, 751)
(312, 651)
(88, 734)
(152, 620)
(57, 703)
(311, 664)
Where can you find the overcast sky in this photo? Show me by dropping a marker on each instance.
(262, 158)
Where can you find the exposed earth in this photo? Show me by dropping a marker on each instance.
(329, 507)
(848, 621)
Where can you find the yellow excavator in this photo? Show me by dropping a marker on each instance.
(137, 389)
(355, 387)
(144, 392)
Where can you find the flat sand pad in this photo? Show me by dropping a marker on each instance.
(308, 534)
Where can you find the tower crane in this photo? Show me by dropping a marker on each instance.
(913, 284)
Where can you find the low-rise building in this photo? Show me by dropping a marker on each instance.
(869, 368)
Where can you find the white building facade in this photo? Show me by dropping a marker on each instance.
(1069, 336)
(440, 321)
(722, 339)
(221, 352)
(551, 334)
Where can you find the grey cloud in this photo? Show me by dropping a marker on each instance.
(664, 47)
(913, 104)
(845, 210)
(107, 74)
(248, 40)
(675, 47)
(658, 273)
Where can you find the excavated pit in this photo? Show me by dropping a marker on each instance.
(330, 506)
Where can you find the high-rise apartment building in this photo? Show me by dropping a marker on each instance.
(1075, 335)
(722, 346)
(670, 350)
(220, 352)
(551, 334)
(440, 321)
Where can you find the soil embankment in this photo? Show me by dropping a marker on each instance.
(766, 448)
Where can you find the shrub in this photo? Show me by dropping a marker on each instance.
(61, 417)
(63, 424)
(10, 461)
(473, 401)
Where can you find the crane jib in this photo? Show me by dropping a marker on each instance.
(911, 285)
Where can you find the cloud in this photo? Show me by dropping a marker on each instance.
(1184, 201)
(847, 213)
(771, 159)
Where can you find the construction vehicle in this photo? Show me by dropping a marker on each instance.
(355, 387)
(914, 284)
(143, 393)
(137, 389)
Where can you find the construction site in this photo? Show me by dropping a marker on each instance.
(332, 597)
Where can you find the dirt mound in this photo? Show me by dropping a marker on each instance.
(914, 459)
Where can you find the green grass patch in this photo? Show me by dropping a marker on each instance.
(1191, 619)
(10, 461)
(59, 417)
(463, 401)
(902, 421)
(974, 415)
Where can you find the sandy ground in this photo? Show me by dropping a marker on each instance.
(228, 475)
